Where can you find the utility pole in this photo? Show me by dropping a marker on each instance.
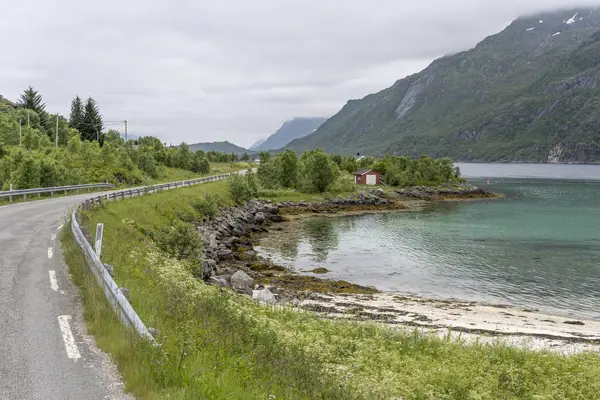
(20, 124)
(56, 138)
(27, 117)
(125, 131)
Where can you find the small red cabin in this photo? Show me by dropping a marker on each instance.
(367, 177)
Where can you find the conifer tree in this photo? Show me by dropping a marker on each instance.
(76, 117)
(91, 126)
(32, 100)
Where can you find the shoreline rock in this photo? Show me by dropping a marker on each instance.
(433, 193)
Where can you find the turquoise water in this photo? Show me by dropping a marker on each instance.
(539, 247)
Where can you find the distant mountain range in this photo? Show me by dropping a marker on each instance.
(223, 147)
(257, 144)
(529, 93)
(290, 130)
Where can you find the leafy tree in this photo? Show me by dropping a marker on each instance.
(245, 157)
(184, 157)
(289, 169)
(32, 100)
(200, 163)
(320, 171)
(77, 113)
(31, 138)
(264, 156)
(3, 150)
(114, 137)
(28, 174)
(49, 175)
(147, 164)
(269, 174)
(91, 126)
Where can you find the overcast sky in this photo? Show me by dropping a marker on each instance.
(213, 70)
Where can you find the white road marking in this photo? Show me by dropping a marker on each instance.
(53, 237)
(50, 252)
(65, 330)
(62, 292)
(59, 228)
(53, 281)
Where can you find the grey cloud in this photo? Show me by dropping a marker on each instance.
(232, 69)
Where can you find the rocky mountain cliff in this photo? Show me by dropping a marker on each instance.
(529, 93)
(296, 128)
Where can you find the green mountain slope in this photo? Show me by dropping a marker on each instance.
(529, 93)
(222, 147)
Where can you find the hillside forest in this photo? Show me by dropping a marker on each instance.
(39, 149)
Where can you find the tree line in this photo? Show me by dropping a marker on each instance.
(319, 172)
(31, 155)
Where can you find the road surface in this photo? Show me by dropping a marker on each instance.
(44, 351)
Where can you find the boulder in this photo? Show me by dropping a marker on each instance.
(242, 283)
(250, 254)
(237, 232)
(208, 268)
(221, 281)
(264, 296)
(225, 255)
(220, 271)
(259, 218)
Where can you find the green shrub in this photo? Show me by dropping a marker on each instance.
(207, 205)
(343, 184)
(243, 188)
(28, 174)
(179, 240)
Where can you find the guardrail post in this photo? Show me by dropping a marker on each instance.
(99, 233)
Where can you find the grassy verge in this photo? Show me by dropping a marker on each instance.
(175, 174)
(218, 345)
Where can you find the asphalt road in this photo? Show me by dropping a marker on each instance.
(44, 350)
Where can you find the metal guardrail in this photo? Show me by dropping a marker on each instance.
(128, 193)
(113, 293)
(52, 190)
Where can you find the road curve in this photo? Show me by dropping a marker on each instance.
(44, 351)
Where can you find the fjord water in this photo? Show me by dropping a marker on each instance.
(538, 247)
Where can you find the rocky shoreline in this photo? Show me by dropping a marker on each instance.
(229, 258)
(463, 191)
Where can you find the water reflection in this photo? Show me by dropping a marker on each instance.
(322, 236)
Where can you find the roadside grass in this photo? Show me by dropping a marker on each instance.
(219, 345)
(167, 174)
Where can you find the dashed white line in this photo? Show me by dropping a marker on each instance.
(53, 237)
(65, 330)
(50, 253)
(59, 228)
(53, 281)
